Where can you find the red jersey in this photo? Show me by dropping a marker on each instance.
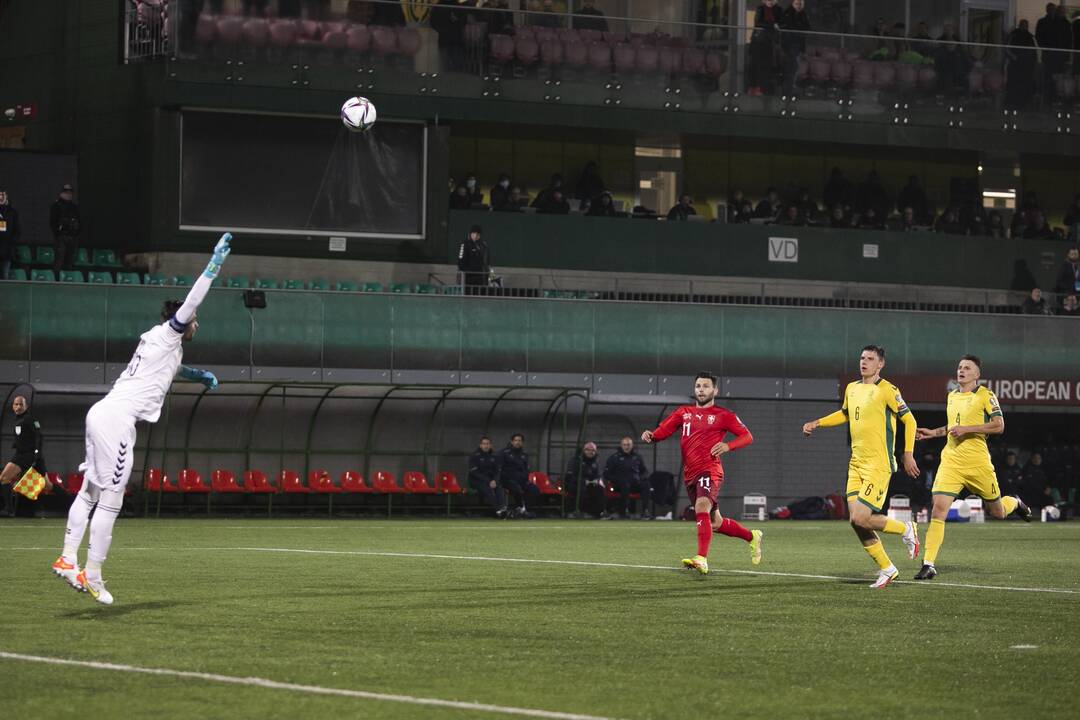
(702, 428)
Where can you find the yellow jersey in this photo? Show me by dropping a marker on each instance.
(969, 408)
(872, 410)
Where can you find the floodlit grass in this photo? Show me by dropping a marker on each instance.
(632, 641)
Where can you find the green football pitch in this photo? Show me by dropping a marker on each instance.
(550, 618)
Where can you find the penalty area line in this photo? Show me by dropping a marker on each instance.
(310, 689)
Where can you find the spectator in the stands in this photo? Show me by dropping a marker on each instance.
(1053, 31)
(949, 222)
(734, 203)
(10, 232)
(995, 225)
(871, 194)
(288, 9)
(1068, 277)
(837, 189)
(794, 24)
(977, 225)
(448, 18)
(769, 207)
(1035, 481)
(792, 216)
(1030, 201)
(1070, 307)
(500, 193)
(603, 206)
(921, 38)
(838, 217)
(499, 18)
(1010, 475)
(1022, 280)
(483, 477)
(870, 220)
(913, 196)
(459, 199)
(547, 15)
(589, 185)
(1037, 227)
(762, 48)
(65, 223)
(582, 483)
(1020, 68)
(555, 204)
(517, 201)
(1035, 303)
(625, 471)
(476, 197)
(951, 61)
(906, 222)
(1072, 215)
(544, 195)
(474, 259)
(588, 17)
(806, 205)
(255, 7)
(682, 209)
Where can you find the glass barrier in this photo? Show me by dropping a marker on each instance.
(889, 76)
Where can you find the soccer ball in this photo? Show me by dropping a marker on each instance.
(358, 114)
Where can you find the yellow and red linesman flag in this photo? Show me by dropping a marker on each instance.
(30, 484)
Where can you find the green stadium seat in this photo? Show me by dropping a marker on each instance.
(40, 275)
(401, 288)
(23, 255)
(372, 287)
(295, 285)
(72, 276)
(17, 274)
(82, 258)
(44, 255)
(128, 278)
(346, 286)
(266, 284)
(318, 284)
(549, 294)
(426, 289)
(100, 277)
(181, 280)
(105, 258)
(155, 279)
(237, 281)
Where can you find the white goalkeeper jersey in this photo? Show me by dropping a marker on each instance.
(140, 390)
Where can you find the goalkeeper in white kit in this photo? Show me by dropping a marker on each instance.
(138, 394)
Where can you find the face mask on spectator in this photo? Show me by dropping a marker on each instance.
(470, 183)
(504, 184)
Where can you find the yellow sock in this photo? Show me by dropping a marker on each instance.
(934, 537)
(877, 551)
(893, 527)
(1009, 503)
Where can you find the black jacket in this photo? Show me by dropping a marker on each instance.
(64, 218)
(1068, 277)
(483, 467)
(625, 467)
(27, 435)
(473, 256)
(581, 468)
(9, 236)
(500, 197)
(513, 465)
(794, 42)
(679, 211)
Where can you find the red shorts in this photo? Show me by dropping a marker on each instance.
(704, 485)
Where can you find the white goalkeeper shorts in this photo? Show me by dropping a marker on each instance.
(110, 447)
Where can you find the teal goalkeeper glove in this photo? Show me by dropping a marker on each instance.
(205, 377)
(221, 251)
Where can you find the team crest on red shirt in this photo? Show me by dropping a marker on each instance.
(686, 416)
(712, 419)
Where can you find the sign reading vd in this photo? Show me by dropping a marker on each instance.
(783, 249)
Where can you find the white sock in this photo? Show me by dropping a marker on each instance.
(889, 570)
(101, 532)
(78, 516)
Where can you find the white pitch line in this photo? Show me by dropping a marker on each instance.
(312, 689)
(582, 563)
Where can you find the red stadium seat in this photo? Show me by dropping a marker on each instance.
(158, 481)
(502, 48)
(544, 484)
(319, 481)
(292, 483)
(255, 482)
(383, 41)
(73, 483)
(384, 482)
(416, 483)
(54, 484)
(408, 40)
(447, 482)
(190, 481)
(353, 482)
(224, 481)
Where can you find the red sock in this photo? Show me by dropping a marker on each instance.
(733, 529)
(704, 534)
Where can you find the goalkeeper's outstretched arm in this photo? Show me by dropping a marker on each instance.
(186, 312)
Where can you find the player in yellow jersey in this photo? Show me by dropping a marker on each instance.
(871, 407)
(973, 413)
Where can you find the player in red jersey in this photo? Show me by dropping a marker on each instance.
(704, 427)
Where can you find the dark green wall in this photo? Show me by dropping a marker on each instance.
(380, 331)
(577, 242)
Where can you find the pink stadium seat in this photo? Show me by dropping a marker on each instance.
(819, 70)
(502, 47)
(408, 41)
(358, 39)
(693, 61)
(637, 40)
(575, 53)
(256, 33)
(647, 58)
(863, 74)
(523, 31)
(283, 34)
(624, 57)
(831, 54)
(716, 64)
(600, 56)
(543, 34)
(329, 26)
(309, 29)
(568, 35)
(205, 29)
(229, 30)
(907, 76)
(383, 41)
(840, 71)
(588, 36)
(527, 50)
(884, 74)
(551, 52)
(613, 38)
(669, 60)
(927, 78)
(336, 41)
